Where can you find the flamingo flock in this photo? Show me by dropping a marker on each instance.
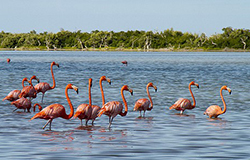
(22, 99)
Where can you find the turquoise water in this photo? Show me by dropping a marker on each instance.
(162, 134)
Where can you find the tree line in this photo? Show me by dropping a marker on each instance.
(141, 40)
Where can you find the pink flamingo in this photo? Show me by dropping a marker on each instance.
(95, 108)
(125, 62)
(113, 108)
(84, 110)
(14, 95)
(182, 104)
(29, 91)
(22, 103)
(143, 103)
(39, 107)
(56, 110)
(44, 86)
(215, 110)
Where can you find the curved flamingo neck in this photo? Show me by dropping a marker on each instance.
(103, 98)
(52, 73)
(90, 101)
(125, 103)
(23, 81)
(194, 102)
(150, 99)
(70, 105)
(223, 100)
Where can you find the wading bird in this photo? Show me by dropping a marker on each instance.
(84, 110)
(95, 108)
(29, 91)
(215, 110)
(113, 108)
(125, 62)
(14, 95)
(22, 103)
(182, 104)
(56, 110)
(44, 86)
(143, 103)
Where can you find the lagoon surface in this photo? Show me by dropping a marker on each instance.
(162, 134)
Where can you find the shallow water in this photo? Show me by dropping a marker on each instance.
(162, 134)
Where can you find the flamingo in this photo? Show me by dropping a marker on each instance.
(182, 104)
(44, 86)
(84, 110)
(215, 110)
(95, 108)
(14, 95)
(113, 108)
(56, 110)
(39, 107)
(22, 103)
(8, 60)
(143, 103)
(125, 62)
(29, 91)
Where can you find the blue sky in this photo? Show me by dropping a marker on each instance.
(194, 16)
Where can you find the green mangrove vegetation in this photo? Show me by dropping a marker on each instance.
(168, 40)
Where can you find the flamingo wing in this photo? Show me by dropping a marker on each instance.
(181, 104)
(141, 104)
(42, 87)
(95, 111)
(50, 112)
(13, 95)
(213, 111)
(111, 109)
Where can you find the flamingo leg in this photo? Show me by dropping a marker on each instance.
(140, 113)
(181, 112)
(49, 121)
(14, 110)
(144, 113)
(86, 123)
(93, 122)
(42, 97)
(110, 122)
(81, 122)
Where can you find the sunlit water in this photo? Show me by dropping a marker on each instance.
(162, 134)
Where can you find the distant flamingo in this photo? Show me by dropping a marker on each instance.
(95, 108)
(125, 62)
(182, 104)
(84, 110)
(215, 110)
(8, 60)
(113, 108)
(39, 107)
(29, 91)
(143, 103)
(14, 95)
(22, 103)
(56, 110)
(44, 86)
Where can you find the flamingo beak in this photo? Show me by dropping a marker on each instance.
(37, 80)
(75, 88)
(131, 91)
(155, 88)
(197, 85)
(229, 90)
(109, 81)
(57, 65)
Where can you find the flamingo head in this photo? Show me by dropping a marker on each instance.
(126, 87)
(227, 88)
(90, 82)
(71, 86)
(104, 78)
(54, 63)
(196, 84)
(152, 85)
(34, 77)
